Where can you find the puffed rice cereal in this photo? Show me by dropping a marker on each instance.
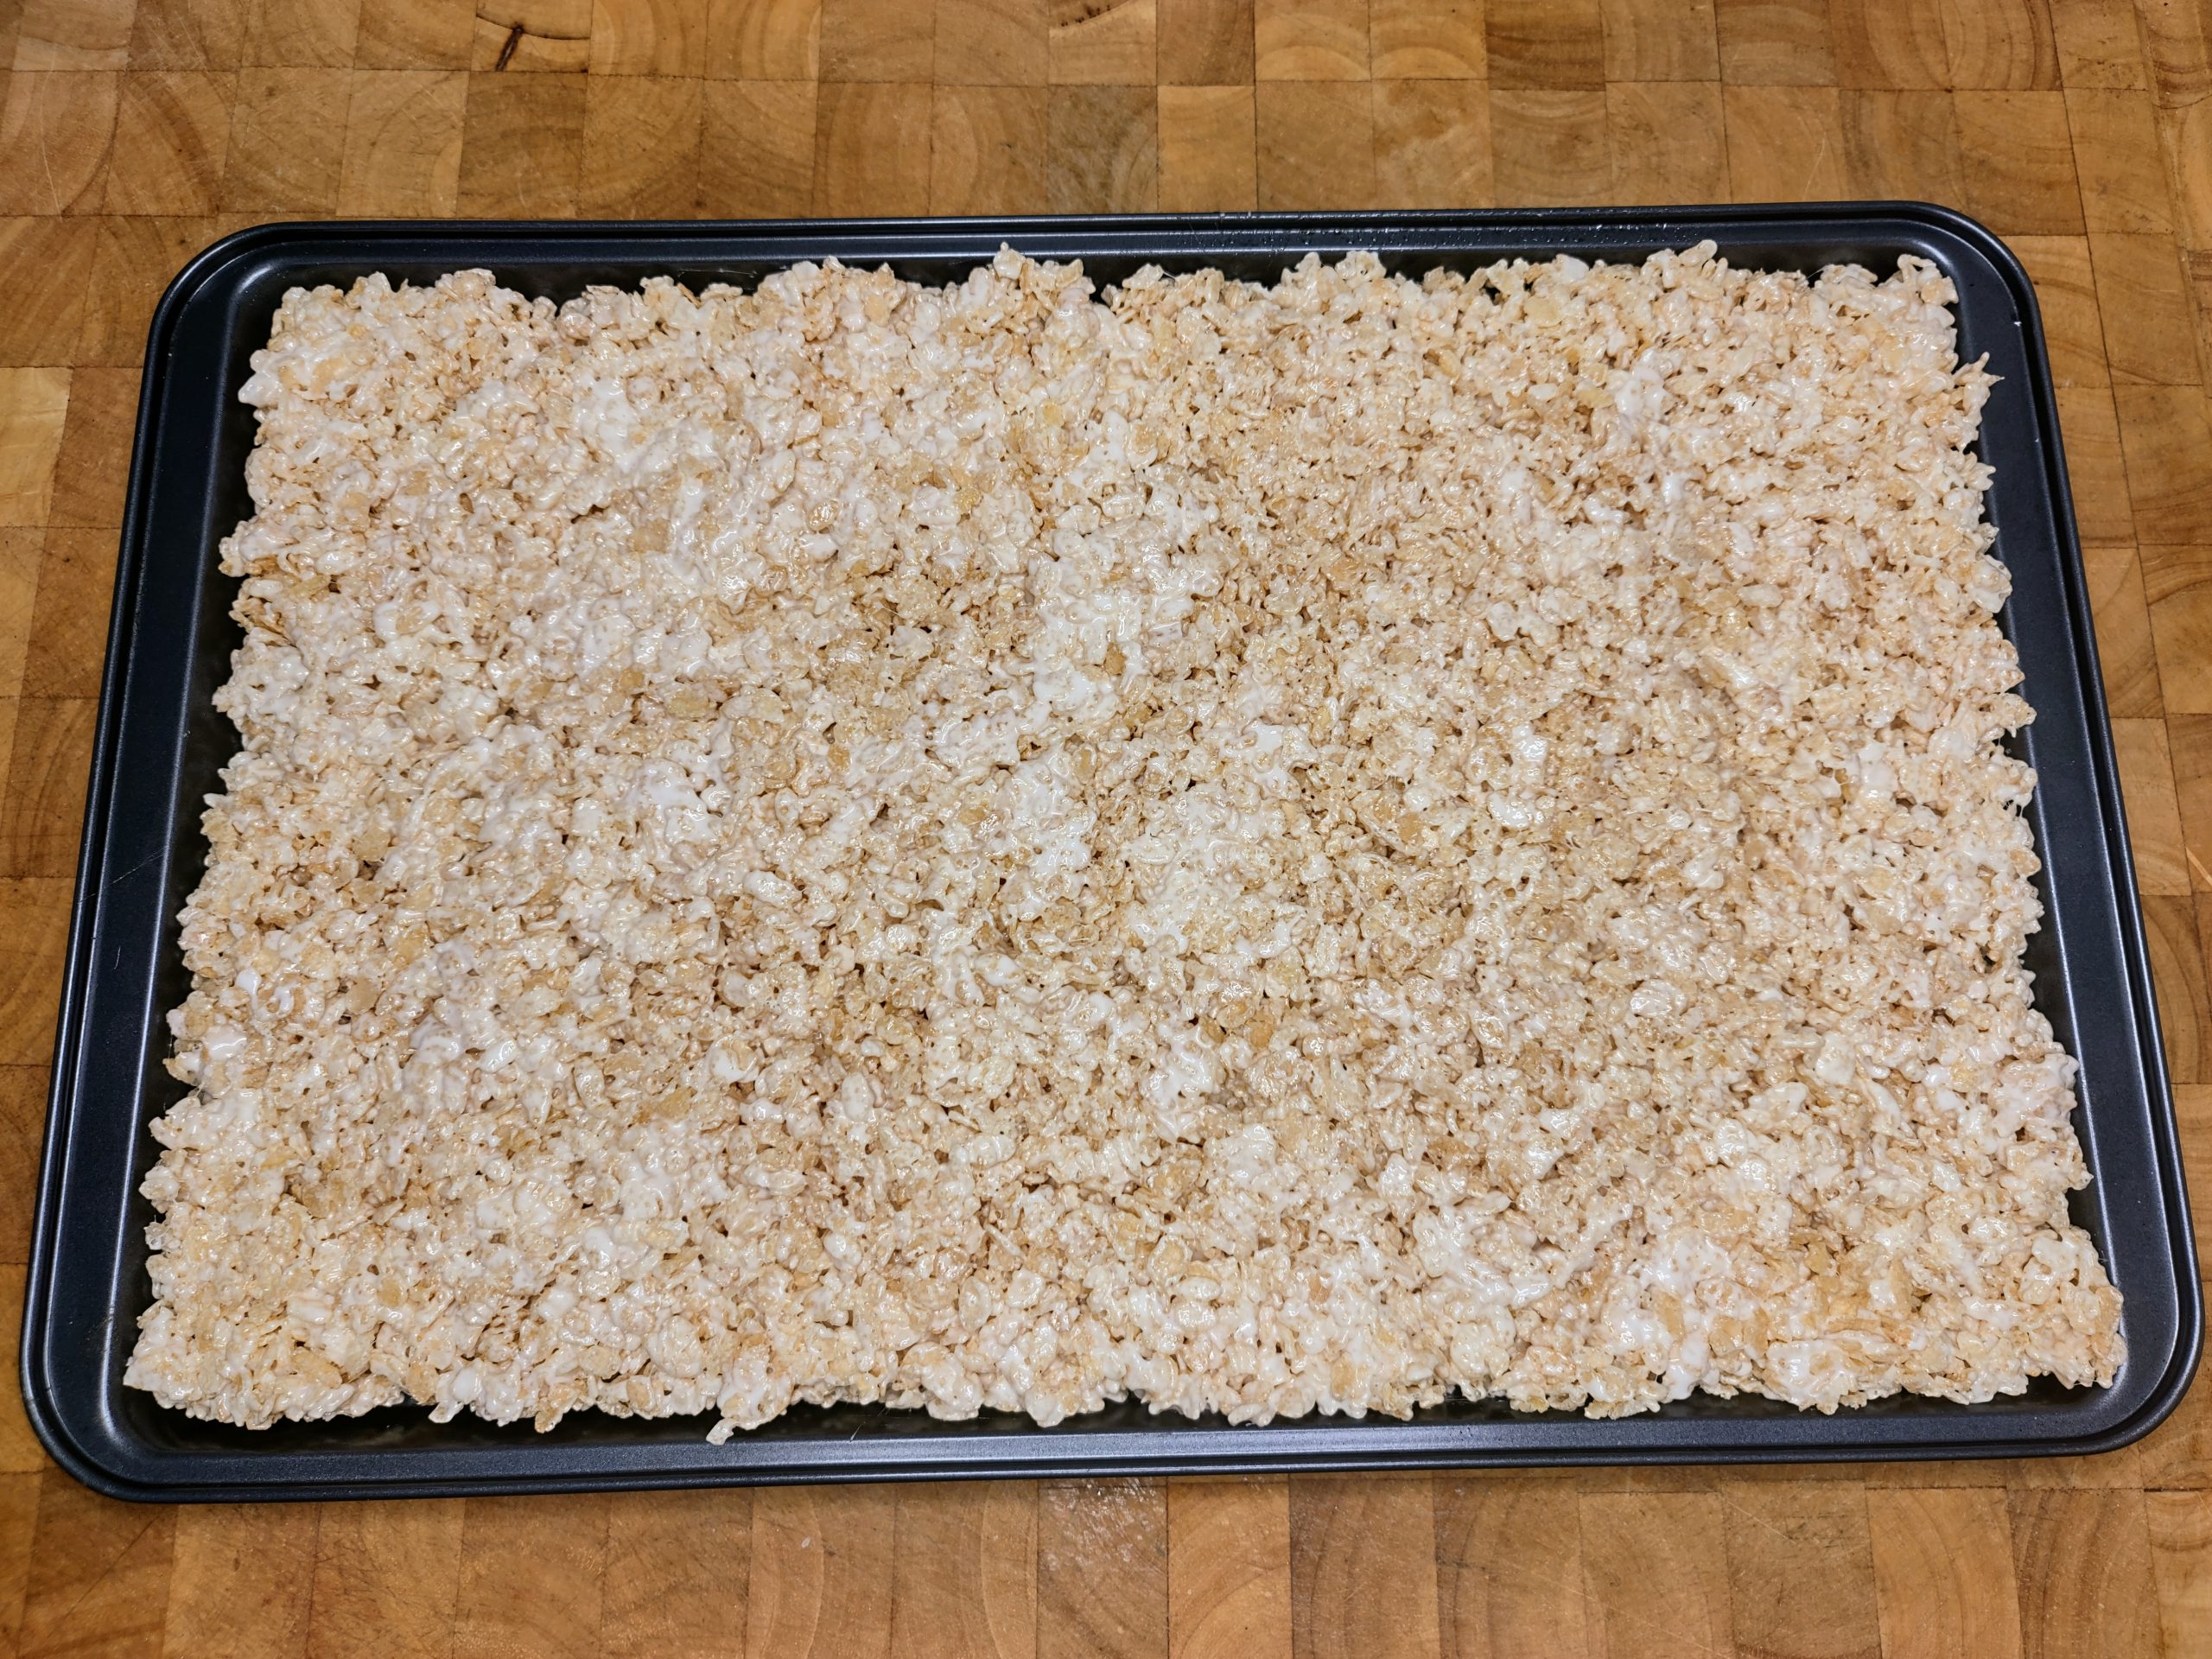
(1260, 849)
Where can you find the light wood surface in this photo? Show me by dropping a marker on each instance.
(134, 132)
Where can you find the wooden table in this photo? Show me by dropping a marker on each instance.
(133, 131)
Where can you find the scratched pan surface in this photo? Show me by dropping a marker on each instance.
(161, 744)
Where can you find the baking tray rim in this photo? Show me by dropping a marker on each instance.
(963, 1451)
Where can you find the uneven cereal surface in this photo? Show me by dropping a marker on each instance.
(1260, 849)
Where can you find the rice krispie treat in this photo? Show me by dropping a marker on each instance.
(1262, 849)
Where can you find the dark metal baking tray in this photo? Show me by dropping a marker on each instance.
(161, 743)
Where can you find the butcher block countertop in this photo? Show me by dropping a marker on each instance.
(133, 132)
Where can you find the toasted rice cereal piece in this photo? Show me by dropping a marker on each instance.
(1260, 849)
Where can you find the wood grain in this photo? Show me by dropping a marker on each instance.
(2124, 651)
(1509, 1566)
(1209, 162)
(68, 615)
(22, 1126)
(1101, 1569)
(756, 148)
(135, 132)
(88, 485)
(1432, 144)
(1309, 39)
(965, 1572)
(414, 33)
(33, 410)
(2082, 1561)
(1551, 146)
(1428, 40)
(1102, 42)
(2180, 1525)
(18, 1534)
(1204, 42)
(1363, 1567)
(2066, 291)
(1943, 1569)
(2147, 777)
(132, 262)
(172, 136)
(303, 34)
(1900, 144)
(2140, 279)
(44, 811)
(870, 149)
(678, 1569)
(990, 42)
(2166, 432)
(1889, 44)
(2185, 1461)
(403, 143)
(531, 36)
(764, 40)
(45, 264)
(641, 146)
(648, 37)
(1302, 162)
(1546, 43)
(285, 153)
(2018, 160)
(823, 1572)
(2176, 1456)
(1785, 143)
(20, 1452)
(99, 1580)
(878, 40)
(2175, 52)
(1999, 45)
(1667, 140)
(2098, 44)
(2090, 428)
(1801, 1569)
(189, 33)
(1655, 1572)
(1229, 1569)
(30, 968)
(55, 129)
(2177, 585)
(240, 1576)
(386, 1579)
(2117, 162)
(72, 35)
(2189, 740)
(525, 1589)
(1775, 42)
(986, 149)
(2177, 972)
(1661, 41)
(523, 143)
(1102, 150)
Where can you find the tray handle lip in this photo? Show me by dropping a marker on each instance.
(207, 267)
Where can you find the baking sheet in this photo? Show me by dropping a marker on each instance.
(161, 744)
